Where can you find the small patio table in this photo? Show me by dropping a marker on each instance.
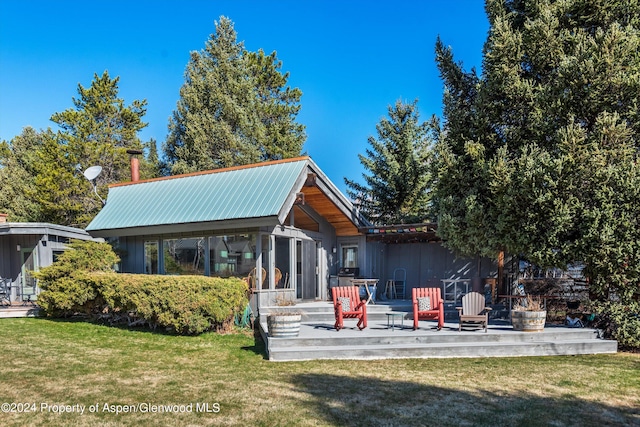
(391, 318)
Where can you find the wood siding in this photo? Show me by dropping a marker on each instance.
(426, 264)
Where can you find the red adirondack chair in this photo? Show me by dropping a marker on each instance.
(347, 304)
(435, 310)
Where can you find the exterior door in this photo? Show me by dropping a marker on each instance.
(310, 269)
(29, 264)
(306, 269)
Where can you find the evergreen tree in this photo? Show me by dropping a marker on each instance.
(277, 107)
(100, 128)
(97, 131)
(540, 155)
(234, 108)
(17, 168)
(397, 189)
(64, 196)
(151, 167)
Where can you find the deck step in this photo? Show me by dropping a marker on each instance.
(320, 340)
(444, 350)
(20, 311)
(410, 337)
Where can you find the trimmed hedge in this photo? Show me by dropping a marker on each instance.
(82, 282)
(186, 305)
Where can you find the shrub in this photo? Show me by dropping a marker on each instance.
(184, 304)
(63, 290)
(619, 321)
(82, 281)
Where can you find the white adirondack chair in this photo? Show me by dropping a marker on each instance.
(473, 310)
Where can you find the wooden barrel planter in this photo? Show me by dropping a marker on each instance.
(528, 321)
(283, 325)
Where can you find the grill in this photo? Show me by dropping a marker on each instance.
(345, 275)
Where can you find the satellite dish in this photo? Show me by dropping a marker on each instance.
(92, 172)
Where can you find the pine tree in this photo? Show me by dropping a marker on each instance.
(397, 189)
(100, 128)
(62, 193)
(17, 167)
(151, 167)
(234, 108)
(277, 107)
(97, 131)
(540, 156)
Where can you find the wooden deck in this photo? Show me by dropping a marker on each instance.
(318, 338)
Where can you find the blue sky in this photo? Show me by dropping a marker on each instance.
(351, 59)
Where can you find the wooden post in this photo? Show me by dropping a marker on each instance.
(501, 271)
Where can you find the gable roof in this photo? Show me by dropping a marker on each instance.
(252, 195)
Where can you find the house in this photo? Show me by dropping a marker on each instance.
(27, 247)
(283, 223)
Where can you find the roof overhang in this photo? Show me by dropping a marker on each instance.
(191, 227)
(42, 228)
(315, 190)
(322, 203)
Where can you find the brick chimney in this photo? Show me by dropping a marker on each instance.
(3, 218)
(135, 164)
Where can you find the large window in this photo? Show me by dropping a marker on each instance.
(283, 262)
(184, 256)
(298, 268)
(151, 257)
(232, 255)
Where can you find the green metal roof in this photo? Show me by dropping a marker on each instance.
(255, 191)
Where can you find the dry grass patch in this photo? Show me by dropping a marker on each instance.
(79, 363)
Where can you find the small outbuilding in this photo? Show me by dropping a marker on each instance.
(27, 247)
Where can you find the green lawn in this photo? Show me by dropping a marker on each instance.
(50, 363)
